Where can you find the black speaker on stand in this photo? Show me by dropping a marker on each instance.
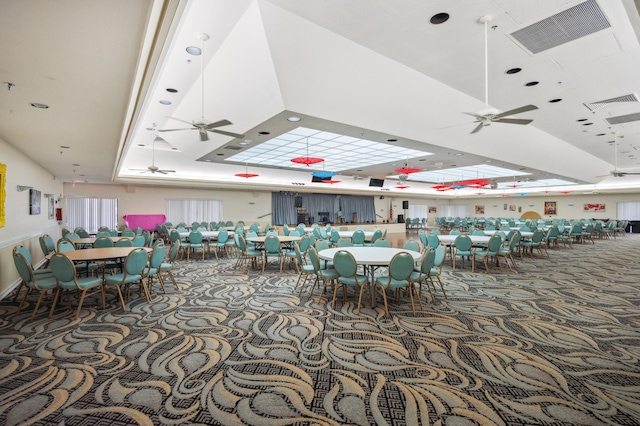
(405, 205)
(298, 201)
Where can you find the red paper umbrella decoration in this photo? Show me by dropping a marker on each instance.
(330, 182)
(246, 173)
(407, 170)
(565, 192)
(307, 160)
(442, 187)
(402, 186)
(476, 183)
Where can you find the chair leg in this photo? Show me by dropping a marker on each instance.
(80, 301)
(55, 301)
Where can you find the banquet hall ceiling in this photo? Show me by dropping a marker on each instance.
(373, 70)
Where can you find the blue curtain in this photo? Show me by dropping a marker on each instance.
(283, 208)
(361, 205)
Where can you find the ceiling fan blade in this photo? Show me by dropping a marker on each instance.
(218, 124)
(181, 120)
(516, 111)
(473, 115)
(203, 135)
(478, 128)
(167, 171)
(175, 130)
(222, 132)
(513, 121)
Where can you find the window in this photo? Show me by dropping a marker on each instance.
(628, 211)
(194, 210)
(417, 210)
(92, 213)
(453, 210)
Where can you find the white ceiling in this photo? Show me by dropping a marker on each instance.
(366, 69)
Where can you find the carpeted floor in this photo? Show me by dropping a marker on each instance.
(557, 343)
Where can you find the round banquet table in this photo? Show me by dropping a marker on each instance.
(370, 256)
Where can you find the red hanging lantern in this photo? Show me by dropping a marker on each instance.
(246, 173)
(402, 186)
(307, 160)
(330, 182)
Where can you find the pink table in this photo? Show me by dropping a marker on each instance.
(147, 222)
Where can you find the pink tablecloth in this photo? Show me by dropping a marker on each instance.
(147, 222)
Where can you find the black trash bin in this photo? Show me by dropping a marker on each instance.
(400, 218)
(633, 226)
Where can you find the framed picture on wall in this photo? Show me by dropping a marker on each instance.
(594, 207)
(52, 204)
(34, 201)
(479, 209)
(505, 206)
(550, 208)
(432, 210)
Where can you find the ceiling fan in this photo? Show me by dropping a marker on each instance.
(153, 168)
(202, 125)
(490, 115)
(616, 172)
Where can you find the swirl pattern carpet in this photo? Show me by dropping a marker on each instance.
(556, 344)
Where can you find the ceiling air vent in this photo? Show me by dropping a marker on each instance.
(233, 148)
(594, 106)
(621, 119)
(571, 24)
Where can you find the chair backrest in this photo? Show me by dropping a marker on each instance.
(335, 235)
(65, 244)
(423, 238)
(273, 232)
(463, 243)
(103, 234)
(313, 257)
(428, 260)
(136, 261)
(223, 236)
(43, 245)
(358, 237)
(272, 244)
(124, 242)
(138, 241)
(494, 243)
(401, 266)
(433, 240)
(411, 245)
(24, 267)
(345, 264)
(175, 249)
(63, 269)
(128, 233)
(195, 237)
(382, 243)
(103, 242)
(478, 232)
(538, 235)
(82, 233)
(439, 259)
(455, 232)
(285, 230)
(344, 242)
(294, 233)
(305, 242)
(24, 252)
(322, 245)
(72, 236)
(157, 256)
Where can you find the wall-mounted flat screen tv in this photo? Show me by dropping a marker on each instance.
(376, 182)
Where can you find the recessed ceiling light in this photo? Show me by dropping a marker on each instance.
(601, 134)
(141, 144)
(172, 90)
(531, 83)
(208, 161)
(581, 119)
(392, 140)
(264, 133)
(174, 149)
(358, 170)
(587, 124)
(220, 155)
(194, 50)
(513, 71)
(293, 119)
(553, 101)
(487, 161)
(165, 102)
(37, 105)
(64, 147)
(458, 154)
(439, 18)
(422, 159)
(78, 165)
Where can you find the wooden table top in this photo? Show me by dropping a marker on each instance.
(105, 253)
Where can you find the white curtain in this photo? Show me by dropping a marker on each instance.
(417, 210)
(628, 211)
(194, 210)
(453, 210)
(92, 213)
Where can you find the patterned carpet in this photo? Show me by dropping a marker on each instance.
(557, 343)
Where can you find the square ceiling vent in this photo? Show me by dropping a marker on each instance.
(570, 24)
(621, 119)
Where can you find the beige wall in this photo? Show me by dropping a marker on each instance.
(21, 227)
